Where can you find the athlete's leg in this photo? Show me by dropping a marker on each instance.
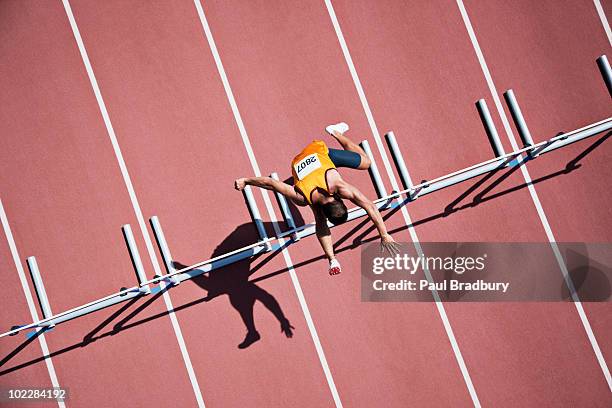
(348, 145)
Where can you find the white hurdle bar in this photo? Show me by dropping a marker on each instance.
(487, 122)
(282, 202)
(557, 141)
(606, 72)
(255, 215)
(373, 170)
(135, 257)
(39, 288)
(574, 136)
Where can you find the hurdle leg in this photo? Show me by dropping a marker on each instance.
(518, 118)
(284, 205)
(487, 122)
(164, 250)
(255, 215)
(39, 288)
(606, 72)
(400, 164)
(135, 257)
(373, 170)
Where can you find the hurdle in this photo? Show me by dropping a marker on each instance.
(197, 269)
(385, 201)
(49, 320)
(557, 141)
(606, 72)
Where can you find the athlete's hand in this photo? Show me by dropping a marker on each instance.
(287, 328)
(387, 243)
(240, 184)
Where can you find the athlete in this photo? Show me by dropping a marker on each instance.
(318, 184)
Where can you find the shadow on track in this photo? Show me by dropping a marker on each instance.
(233, 281)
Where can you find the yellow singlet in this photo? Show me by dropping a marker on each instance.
(310, 167)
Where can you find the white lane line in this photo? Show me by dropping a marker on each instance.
(604, 20)
(29, 299)
(534, 195)
(268, 203)
(368, 112)
(134, 200)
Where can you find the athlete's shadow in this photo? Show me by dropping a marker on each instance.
(233, 281)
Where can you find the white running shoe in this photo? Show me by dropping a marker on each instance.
(338, 127)
(334, 267)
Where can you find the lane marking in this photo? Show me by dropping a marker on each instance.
(534, 196)
(29, 299)
(604, 20)
(134, 200)
(268, 204)
(408, 221)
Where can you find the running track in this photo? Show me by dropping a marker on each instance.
(186, 127)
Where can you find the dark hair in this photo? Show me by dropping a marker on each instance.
(335, 211)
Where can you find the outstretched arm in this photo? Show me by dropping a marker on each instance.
(345, 190)
(270, 184)
(324, 234)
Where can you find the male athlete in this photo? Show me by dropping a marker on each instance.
(318, 183)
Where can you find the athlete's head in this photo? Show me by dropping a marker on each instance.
(335, 211)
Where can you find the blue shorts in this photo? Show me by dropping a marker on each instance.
(345, 158)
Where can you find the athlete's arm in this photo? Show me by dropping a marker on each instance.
(270, 184)
(323, 233)
(349, 192)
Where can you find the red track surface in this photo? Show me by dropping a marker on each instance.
(65, 197)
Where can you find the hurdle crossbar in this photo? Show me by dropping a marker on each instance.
(382, 203)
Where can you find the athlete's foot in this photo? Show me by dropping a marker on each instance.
(339, 128)
(334, 267)
(251, 337)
